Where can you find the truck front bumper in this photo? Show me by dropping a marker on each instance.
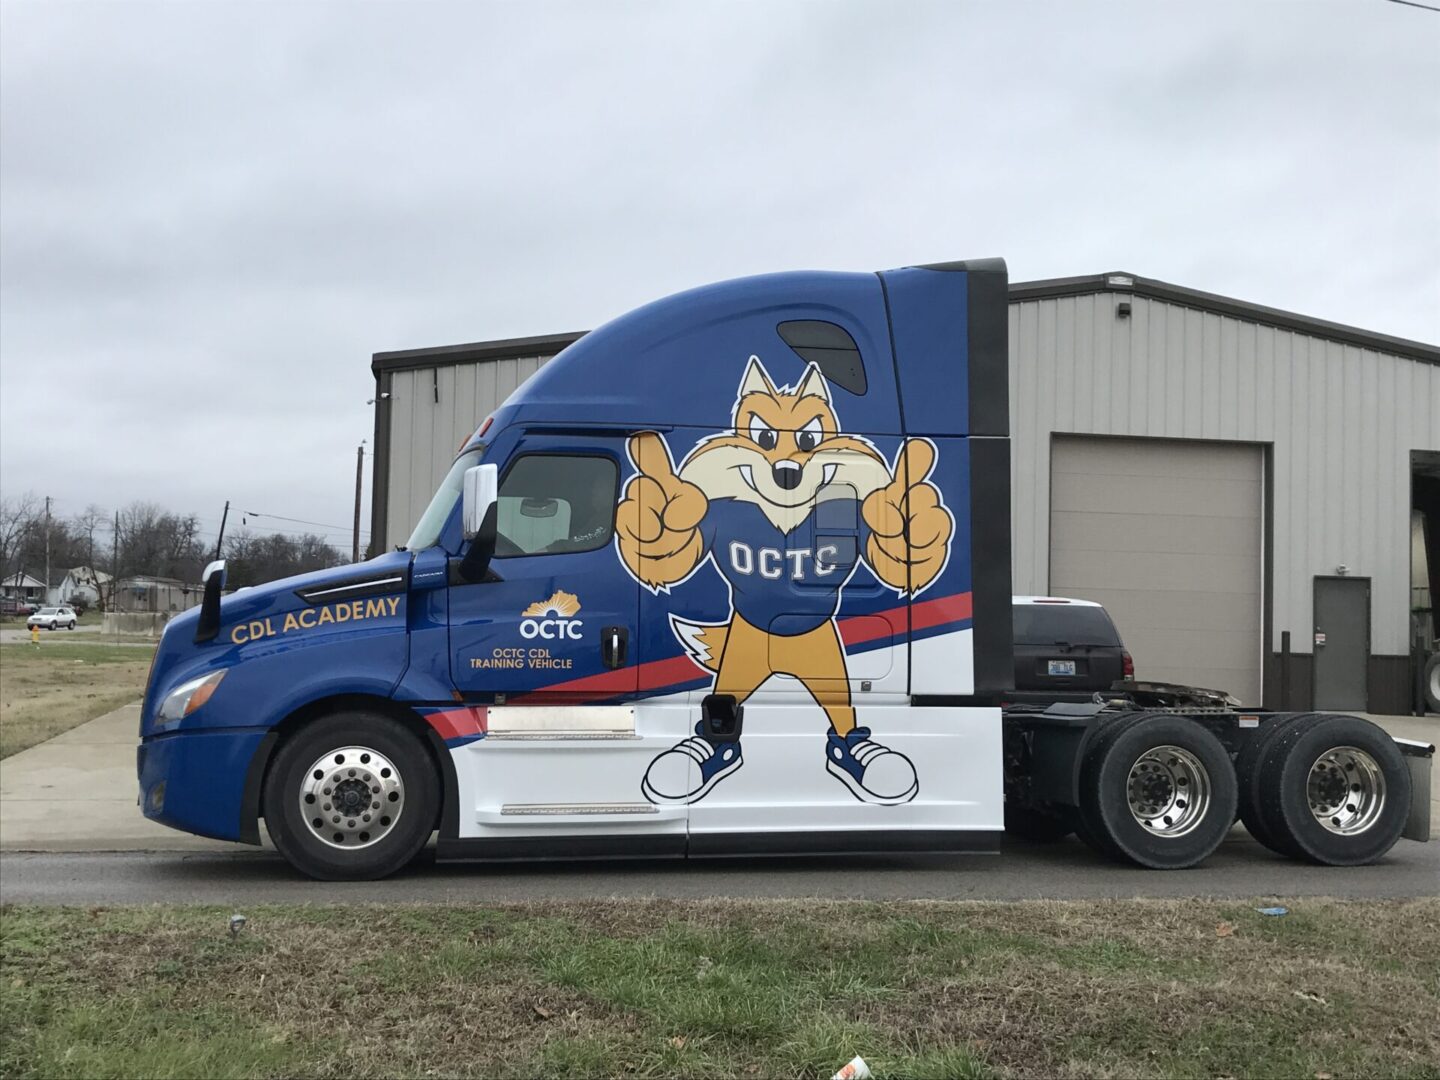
(199, 781)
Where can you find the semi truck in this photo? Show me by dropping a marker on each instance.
(730, 575)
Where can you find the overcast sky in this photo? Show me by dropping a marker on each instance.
(212, 214)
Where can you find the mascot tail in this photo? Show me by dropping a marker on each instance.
(703, 642)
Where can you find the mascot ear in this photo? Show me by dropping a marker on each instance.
(756, 380)
(813, 385)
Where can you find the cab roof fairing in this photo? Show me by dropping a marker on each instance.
(676, 362)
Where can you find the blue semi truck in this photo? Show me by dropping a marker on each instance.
(730, 575)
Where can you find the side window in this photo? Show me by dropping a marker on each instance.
(555, 503)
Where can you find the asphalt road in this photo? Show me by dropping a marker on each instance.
(1240, 869)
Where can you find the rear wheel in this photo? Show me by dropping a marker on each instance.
(1335, 790)
(351, 796)
(1249, 771)
(1087, 827)
(1432, 683)
(1159, 792)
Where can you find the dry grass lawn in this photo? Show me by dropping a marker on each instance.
(53, 688)
(725, 988)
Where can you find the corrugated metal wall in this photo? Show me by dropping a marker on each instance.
(432, 412)
(1341, 422)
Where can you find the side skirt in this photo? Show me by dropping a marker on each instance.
(719, 845)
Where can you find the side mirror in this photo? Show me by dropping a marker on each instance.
(482, 486)
(208, 625)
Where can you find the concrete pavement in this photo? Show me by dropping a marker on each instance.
(77, 793)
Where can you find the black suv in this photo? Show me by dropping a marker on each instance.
(1065, 650)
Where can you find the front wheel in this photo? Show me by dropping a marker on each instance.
(351, 797)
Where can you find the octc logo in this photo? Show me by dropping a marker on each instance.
(552, 619)
(551, 629)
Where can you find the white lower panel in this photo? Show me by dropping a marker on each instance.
(557, 786)
(944, 664)
(785, 786)
(512, 787)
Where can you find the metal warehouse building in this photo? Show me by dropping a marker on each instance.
(1222, 476)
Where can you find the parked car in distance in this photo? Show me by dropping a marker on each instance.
(1065, 649)
(54, 618)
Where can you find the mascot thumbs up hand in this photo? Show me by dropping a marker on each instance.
(657, 522)
(909, 525)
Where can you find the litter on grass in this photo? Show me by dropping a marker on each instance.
(854, 1069)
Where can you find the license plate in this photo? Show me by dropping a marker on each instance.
(1062, 667)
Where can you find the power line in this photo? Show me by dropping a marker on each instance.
(300, 521)
(1412, 3)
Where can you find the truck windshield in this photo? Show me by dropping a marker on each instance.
(427, 531)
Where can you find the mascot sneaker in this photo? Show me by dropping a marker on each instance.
(715, 760)
(873, 773)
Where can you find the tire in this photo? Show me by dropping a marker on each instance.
(1304, 797)
(1036, 826)
(1432, 683)
(1087, 826)
(1169, 772)
(346, 744)
(1248, 773)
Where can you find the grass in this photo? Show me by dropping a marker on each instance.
(48, 690)
(725, 988)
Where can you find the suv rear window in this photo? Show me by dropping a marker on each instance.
(1050, 624)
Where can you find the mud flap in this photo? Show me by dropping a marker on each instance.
(1418, 756)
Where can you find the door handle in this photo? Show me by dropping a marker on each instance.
(614, 642)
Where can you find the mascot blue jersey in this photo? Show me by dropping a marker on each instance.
(786, 583)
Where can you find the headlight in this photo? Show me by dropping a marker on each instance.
(189, 696)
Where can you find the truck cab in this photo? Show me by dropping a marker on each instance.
(728, 575)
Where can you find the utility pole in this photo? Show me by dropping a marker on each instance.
(46, 598)
(359, 473)
(221, 538)
(115, 563)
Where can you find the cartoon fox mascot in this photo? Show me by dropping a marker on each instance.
(737, 499)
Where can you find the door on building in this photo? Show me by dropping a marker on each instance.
(1167, 534)
(1342, 642)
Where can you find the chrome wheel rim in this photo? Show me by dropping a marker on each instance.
(351, 797)
(1168, 791)
(1346, 790)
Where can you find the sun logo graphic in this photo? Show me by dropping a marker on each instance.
(552, 619)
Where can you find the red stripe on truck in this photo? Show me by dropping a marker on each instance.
(463, 723)
(657, 674)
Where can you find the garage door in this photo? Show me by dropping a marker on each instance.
(1167, 535)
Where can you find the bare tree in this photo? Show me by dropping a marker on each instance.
(156, 542)
(18, 517)
(254, 560)
(85, 524)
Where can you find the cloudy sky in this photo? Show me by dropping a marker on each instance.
(212, 214)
